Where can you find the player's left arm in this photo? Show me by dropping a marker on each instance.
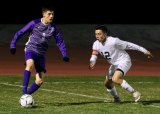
(149, 54)
(60, 44)
(139, 48)
(131, 46)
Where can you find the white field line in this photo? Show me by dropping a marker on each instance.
(49, 90)
(156, 106)
(5, 112)
(76, 94)
(63, 92)
(144, 82)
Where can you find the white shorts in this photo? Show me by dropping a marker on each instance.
(123, 67)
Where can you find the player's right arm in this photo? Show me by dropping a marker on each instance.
(93, 58)
(18, 34)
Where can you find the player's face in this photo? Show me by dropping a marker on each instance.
(100, 35)
(48, 16)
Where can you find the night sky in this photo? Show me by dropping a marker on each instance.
(81, 11)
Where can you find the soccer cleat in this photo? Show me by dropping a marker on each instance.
(137, 96)
(117, 99)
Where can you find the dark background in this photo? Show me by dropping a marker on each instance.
(82, 11)
(76, 21)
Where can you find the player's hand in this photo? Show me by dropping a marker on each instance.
(91, 66)
(66, 59)
(149, 55)
(13, 51)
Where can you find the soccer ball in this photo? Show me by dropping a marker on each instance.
(26, 100)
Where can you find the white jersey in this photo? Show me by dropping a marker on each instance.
(113, 50)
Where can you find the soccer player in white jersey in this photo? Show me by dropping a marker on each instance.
(113, 50)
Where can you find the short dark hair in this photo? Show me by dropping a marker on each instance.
(101, 27)
(47, 8)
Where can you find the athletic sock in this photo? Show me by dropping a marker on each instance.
(113, 91)
(127, 87)
(26, 78)
(33, 88)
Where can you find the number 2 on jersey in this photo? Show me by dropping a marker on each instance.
(106, 55)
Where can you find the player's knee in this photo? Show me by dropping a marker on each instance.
(29, 67)
(39, 82)
(108, 83)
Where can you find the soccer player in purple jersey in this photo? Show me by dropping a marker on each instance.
(41, 30)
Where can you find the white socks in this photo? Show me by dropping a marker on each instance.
(127, 87)
(124, 85)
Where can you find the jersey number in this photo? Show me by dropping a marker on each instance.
(106, 55)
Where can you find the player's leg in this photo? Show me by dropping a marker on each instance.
(111, 89)
(27, 74)
(37, 83)
(40, 70)
(110, 86)
(29, 57)
(118, 79)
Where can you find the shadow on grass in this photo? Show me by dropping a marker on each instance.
(70, 103)
(43, 104)
(149, 102)
(143, 102)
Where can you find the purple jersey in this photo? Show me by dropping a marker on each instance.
(40, 36)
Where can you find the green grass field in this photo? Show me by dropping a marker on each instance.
(80, 95)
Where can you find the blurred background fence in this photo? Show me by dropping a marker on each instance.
(83, 34)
